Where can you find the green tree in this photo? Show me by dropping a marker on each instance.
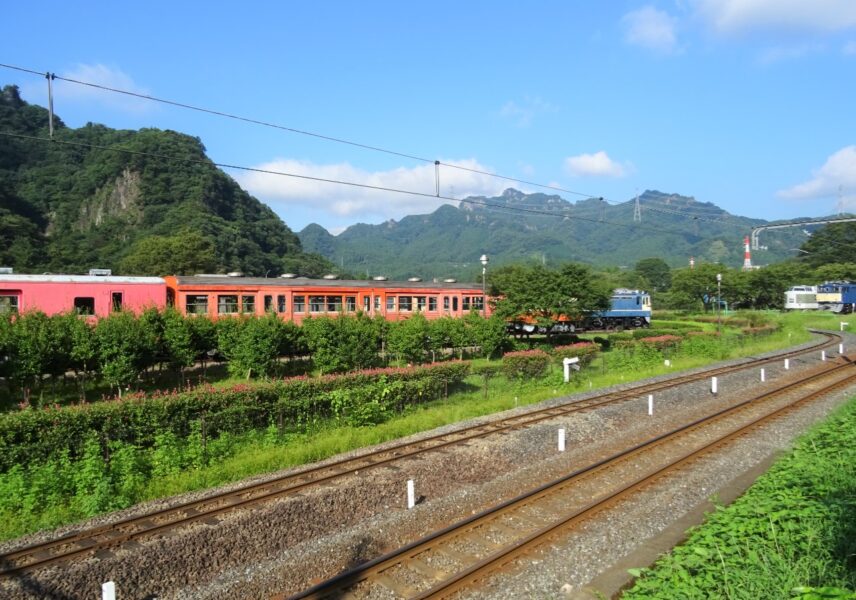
(836, 272)
(543, 294)
(408, 339)
(834, 243)
(698, 286)
(178, 339)
(185, 253)
(257, 347)
(342, 343)
(122, 346)
(33, 351)
(655, 272)
(489, 334)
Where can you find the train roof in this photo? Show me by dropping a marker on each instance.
(51, 278)
(299, 282)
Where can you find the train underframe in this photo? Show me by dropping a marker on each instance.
(590, 324)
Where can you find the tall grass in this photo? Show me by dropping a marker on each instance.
(793, 533)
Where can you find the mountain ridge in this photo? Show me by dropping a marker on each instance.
(516, 226)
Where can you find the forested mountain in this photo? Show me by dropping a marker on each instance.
(160, 206)
(449, 241)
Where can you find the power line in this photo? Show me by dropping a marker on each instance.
(293, 130)
(206, 161)
(52, 76)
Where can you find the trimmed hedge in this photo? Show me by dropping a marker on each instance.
(585, 351)
(525, 364)
(37, 435)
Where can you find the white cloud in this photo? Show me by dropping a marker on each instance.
(360, 203)
(102, 75)
(596, 165)
(651, 28)
(837, 175)
(523, 113)
(738, 16)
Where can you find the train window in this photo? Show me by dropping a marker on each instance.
(9, 303)
(445, 303)
(476, 302)
(638, 300)
(377, 303)
(84, 306)
(390, 303)
(334, 303)
(170, 297)
(351, 303)
(116, 301)
(248, 304)
(196, 305)
(454, 304)
(299, 304)
(280, 303)
(367, 303)
(227, 304)
(268, 303)
(316, 303)
(432, 304)
(466, 303)
(420, 303)
(405, 303)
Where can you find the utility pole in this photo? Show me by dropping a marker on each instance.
(718, 302)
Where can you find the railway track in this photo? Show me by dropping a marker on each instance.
(457, 557)
(101, 540)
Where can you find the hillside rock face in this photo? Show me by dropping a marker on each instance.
(95, 194)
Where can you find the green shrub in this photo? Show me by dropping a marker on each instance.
(527, 364)
(585, 351)
(37, 435)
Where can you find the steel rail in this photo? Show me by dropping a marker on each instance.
(90, 541)
(402, 556)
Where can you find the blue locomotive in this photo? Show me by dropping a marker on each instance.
(628, 309)
(837, 296)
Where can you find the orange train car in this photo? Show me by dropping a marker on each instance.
(296, 298)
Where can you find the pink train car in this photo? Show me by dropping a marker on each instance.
(88, 295)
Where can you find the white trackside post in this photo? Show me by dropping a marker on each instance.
(763, 376)
(561, 440)
(411, 494)
(108, 591)
(650, 404)
(713, 386)
(840, 348)
(787, 364)
(566, 363)
(823, 355)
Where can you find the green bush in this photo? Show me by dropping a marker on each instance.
(38, 435)
(527, 364)
(585, 351)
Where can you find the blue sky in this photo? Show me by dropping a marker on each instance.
(750, 104)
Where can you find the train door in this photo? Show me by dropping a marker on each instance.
(116, 299)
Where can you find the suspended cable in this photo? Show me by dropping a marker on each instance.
(206, 161)
(299, 131)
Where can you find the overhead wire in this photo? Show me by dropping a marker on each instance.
(647, 204)
(206, 161)
(297, 131)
